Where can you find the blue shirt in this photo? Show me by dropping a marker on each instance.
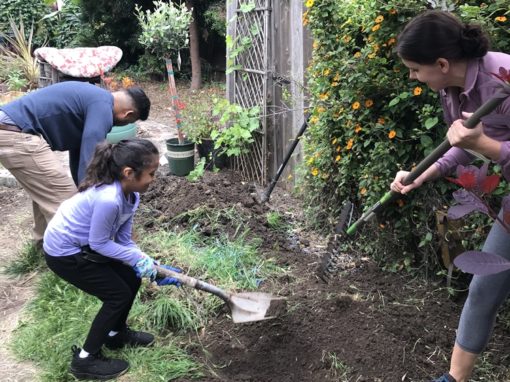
(101, 217)
(71, 115)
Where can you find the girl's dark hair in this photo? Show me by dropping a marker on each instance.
(438, 34)
(110, 159)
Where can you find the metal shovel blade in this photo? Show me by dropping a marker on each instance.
(251, 306)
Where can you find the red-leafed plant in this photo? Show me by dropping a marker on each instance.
(477, 186)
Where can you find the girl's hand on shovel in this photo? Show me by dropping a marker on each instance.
(169, 280)
(398, 186)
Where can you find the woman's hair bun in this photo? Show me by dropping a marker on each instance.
(474, 41)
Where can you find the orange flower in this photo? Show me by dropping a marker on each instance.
(369, 103)
(379, 19)
(363, 191)
(304, 18)
(392, 11)
(356, 105)
(127, 82)
(349, 144)
(417, 91)
(315, 171)
(357, 128)
(380, 121)
(337, 158)
(501, 19)
(392, 41)
(376, 27)
(392, 134)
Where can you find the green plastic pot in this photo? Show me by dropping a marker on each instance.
(118, 133)
(181, 158)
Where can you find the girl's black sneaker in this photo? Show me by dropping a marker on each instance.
(96, 366)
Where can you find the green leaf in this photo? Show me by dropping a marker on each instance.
(431, 122)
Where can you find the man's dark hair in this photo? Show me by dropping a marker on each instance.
(141, 102)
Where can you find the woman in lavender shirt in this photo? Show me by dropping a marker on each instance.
(452, 58)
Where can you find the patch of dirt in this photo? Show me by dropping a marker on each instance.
(365, 325)
(15, 228)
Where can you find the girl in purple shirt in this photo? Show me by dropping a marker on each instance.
(88, 243)
(453, 59)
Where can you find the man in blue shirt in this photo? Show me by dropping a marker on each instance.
(68, 116)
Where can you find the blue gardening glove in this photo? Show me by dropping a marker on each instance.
(146, 267)
(169, 280)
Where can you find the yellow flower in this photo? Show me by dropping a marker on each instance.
(363, 191)
(347, 39)
(392, 134)
(309, 3)
(337, 77)
(417, 91)
(315, 171)
(379, 19)
(501, 19)
(369, 103)
(314, 119)
(338, 149)
(370, 38)
(376, 27)
(289, 177)
(315, 44)
(371, 55)
(357, 54)
(335, 83)
(380, 121)
(310, 161)
(321, 109)
(357, 128)
(334, 141)
(349, 144)
(326, 72)
(323, 96)
(337, 158)
(356, 105)
(392, 41)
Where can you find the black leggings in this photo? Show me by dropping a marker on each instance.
(114, 283)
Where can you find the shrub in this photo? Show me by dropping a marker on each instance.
(368, 120)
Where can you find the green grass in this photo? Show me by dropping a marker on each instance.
(29, 259)
(277, 222)
(60, 315)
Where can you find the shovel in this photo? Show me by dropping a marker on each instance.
(244, 307)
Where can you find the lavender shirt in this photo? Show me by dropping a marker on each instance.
(480, 86)
(101, 217)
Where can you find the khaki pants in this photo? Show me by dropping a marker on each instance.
(38, 170)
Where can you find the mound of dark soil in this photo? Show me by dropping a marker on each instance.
(365, 325)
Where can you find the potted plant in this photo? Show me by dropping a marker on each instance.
(164, 33)
(235, 127)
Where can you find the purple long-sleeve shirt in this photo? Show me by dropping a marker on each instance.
(479, 87)
(100, 217)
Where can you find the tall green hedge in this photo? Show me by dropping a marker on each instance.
(368, 120)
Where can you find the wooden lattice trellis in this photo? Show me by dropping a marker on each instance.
(249, 84)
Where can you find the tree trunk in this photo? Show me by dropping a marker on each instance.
(194, 49)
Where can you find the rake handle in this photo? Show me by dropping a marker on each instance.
(194, 283)
(430, 159)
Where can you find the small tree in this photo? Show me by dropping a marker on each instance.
(164, 33)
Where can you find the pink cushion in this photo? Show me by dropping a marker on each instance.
(81, 62)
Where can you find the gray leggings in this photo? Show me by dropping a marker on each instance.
(486, 294)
